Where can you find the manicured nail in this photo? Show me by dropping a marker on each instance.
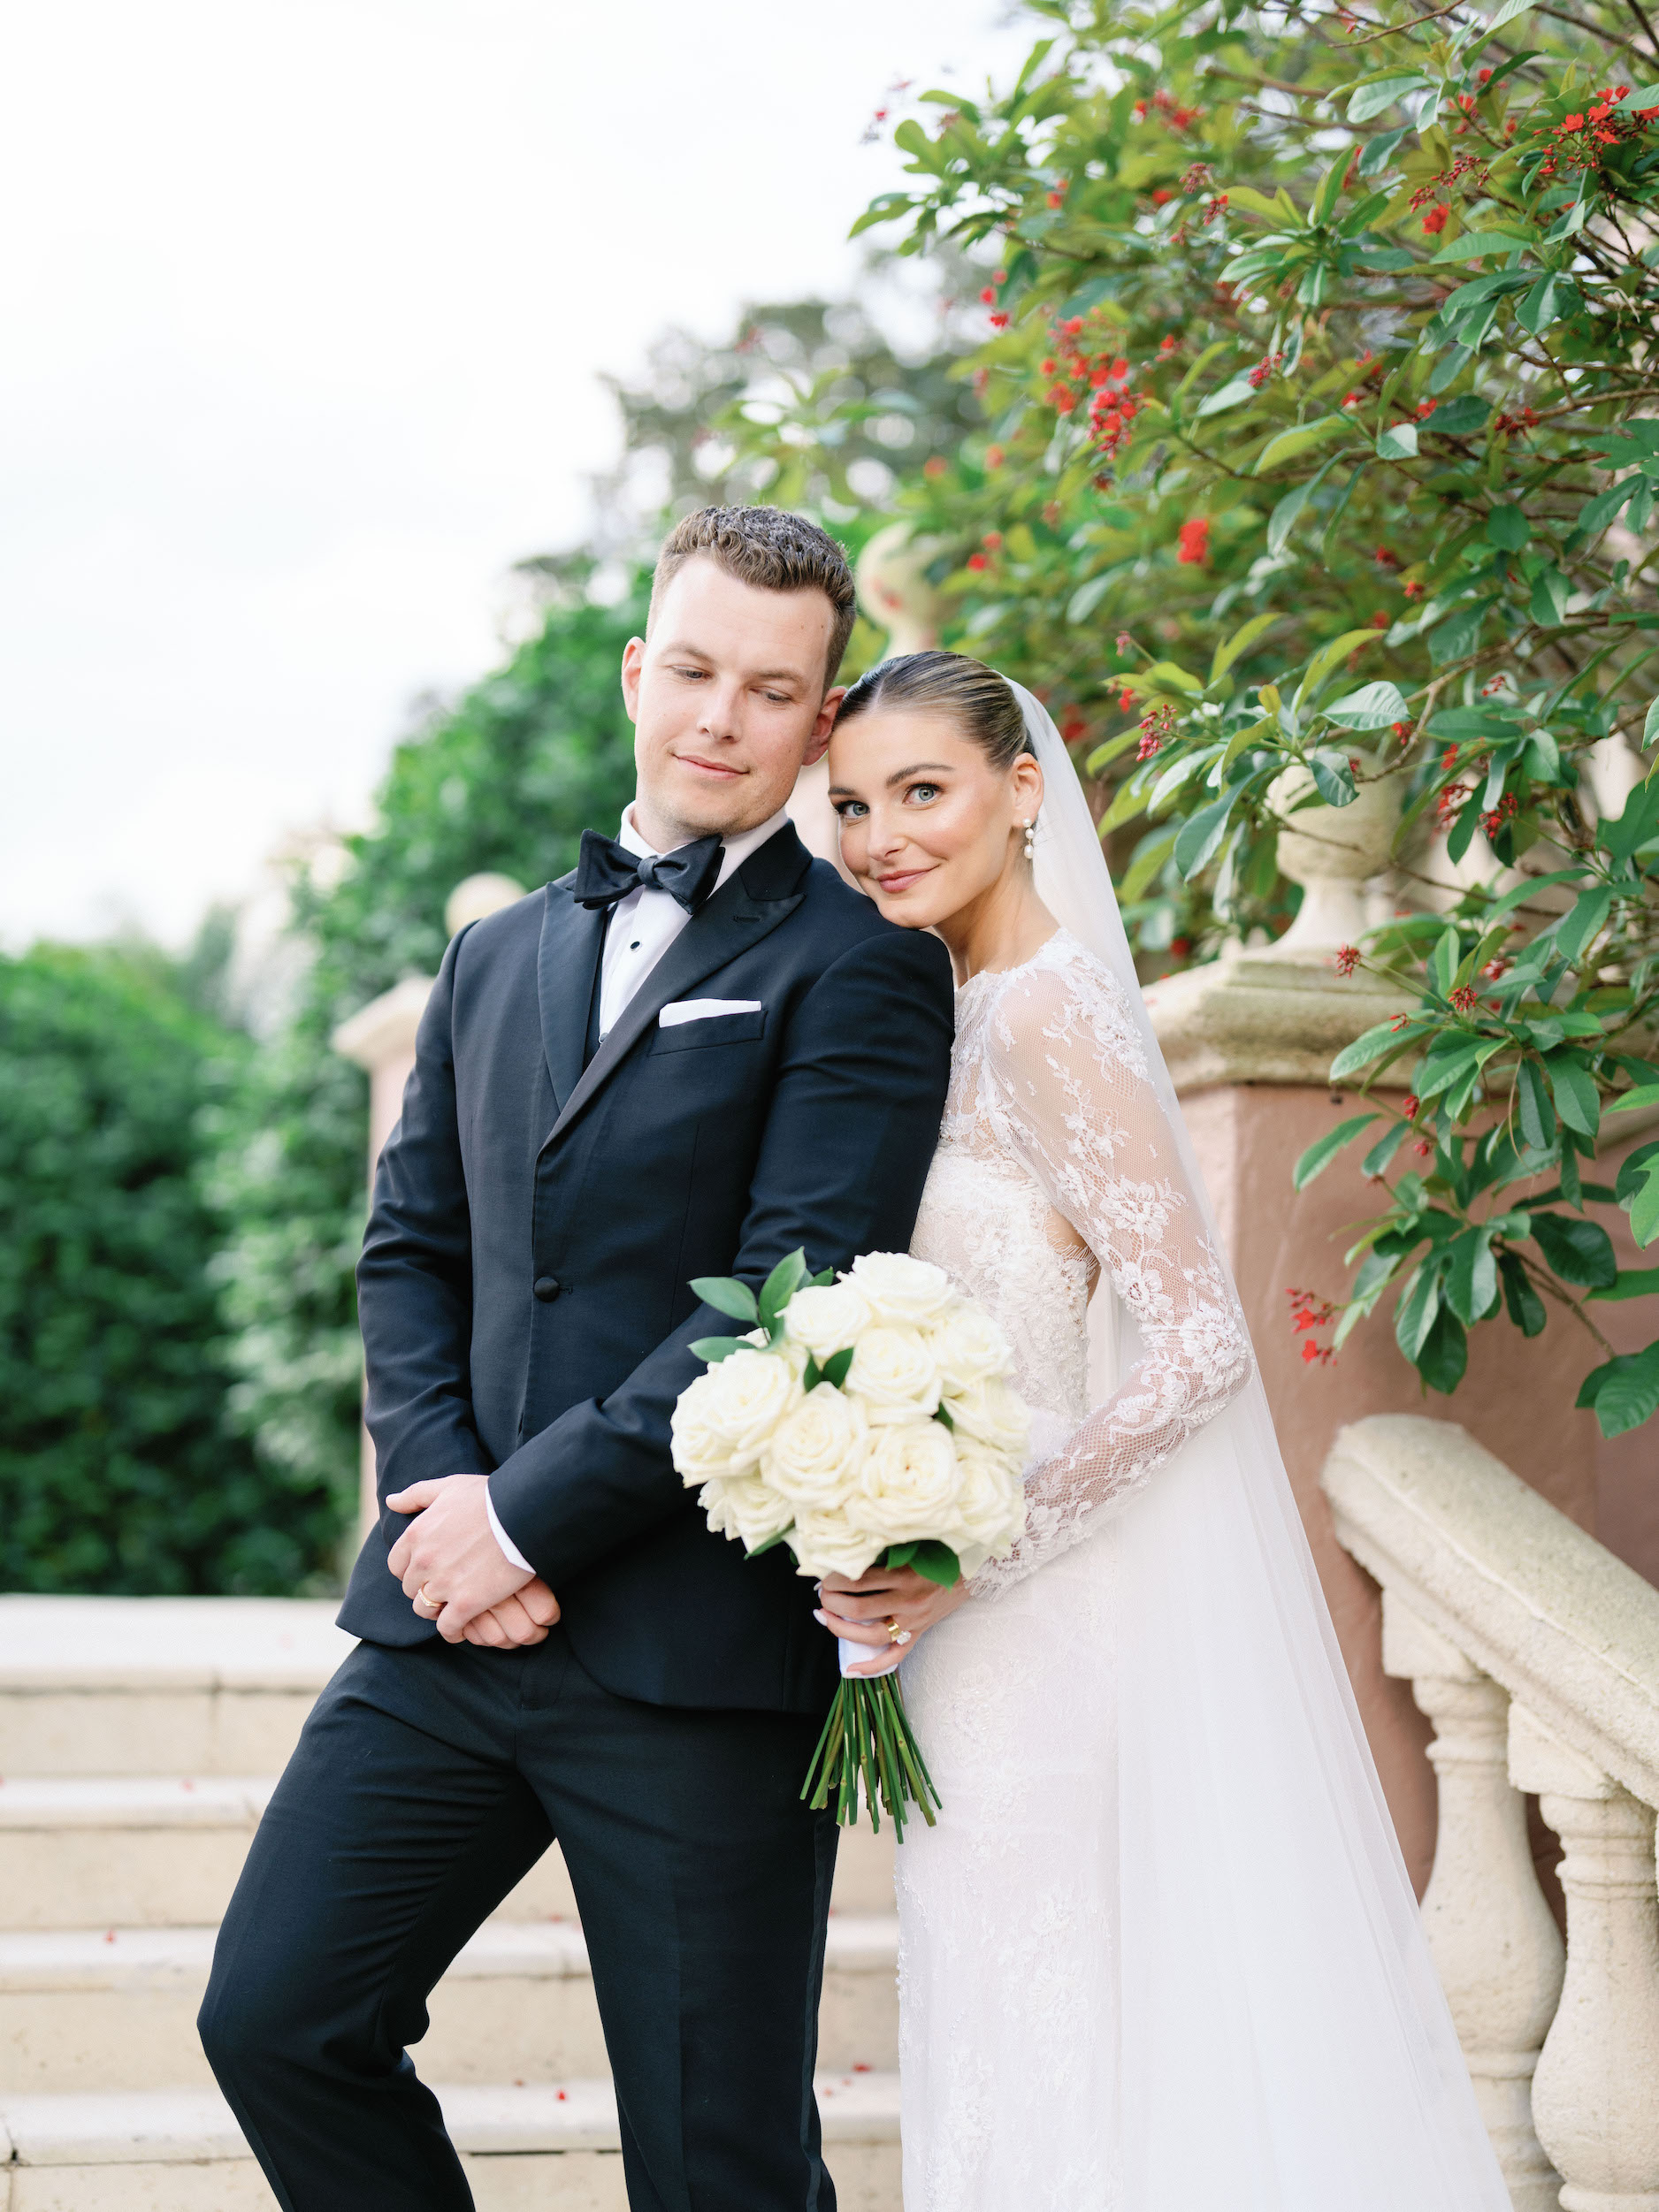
(821, 1619)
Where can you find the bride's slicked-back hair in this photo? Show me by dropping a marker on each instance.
(980, 702)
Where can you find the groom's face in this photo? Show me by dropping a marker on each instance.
(726, 694)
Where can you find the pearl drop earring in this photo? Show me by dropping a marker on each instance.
(1031, 839)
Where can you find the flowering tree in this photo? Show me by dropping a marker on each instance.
(1320, 448)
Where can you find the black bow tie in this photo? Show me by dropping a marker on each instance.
(607, 871)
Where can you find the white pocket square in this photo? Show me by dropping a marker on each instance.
(704, 1009)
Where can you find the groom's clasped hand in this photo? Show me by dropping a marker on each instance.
(453, 1572)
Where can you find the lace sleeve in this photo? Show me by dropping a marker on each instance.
(1068, 1096)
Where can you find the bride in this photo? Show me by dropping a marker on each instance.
(1159, 1953)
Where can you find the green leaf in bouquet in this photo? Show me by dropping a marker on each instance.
(935, 1560)
(781, 1285)
(768, 1543)
(942, 1415)
(835, 1368)
(727, 1295)
(811, 1375)
(713, 1349)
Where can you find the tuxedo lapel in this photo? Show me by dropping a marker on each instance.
(572, 937)
(765, 890)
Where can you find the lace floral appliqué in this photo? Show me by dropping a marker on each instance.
(1056, 1161)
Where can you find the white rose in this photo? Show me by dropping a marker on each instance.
(826, 1318)
(700, 1444)
(908, 1483)
(828, 1544)
(969, 1347)
(993, 1412)
(745, 1396)
(815, 1450)
(990, 1506)
(747, 1507)
(895, 1373)
(900, 1288)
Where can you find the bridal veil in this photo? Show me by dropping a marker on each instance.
(1283, 2043)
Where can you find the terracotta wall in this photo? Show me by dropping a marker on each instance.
(1517, 1399)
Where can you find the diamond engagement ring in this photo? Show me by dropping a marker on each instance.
(896, 1634)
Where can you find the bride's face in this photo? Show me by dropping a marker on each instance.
(929, 825)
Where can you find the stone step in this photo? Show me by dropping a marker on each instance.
(114, 2009)
(136, 1851)
(550, 2149)
(159, 1685)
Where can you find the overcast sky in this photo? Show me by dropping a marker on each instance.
(305, 305)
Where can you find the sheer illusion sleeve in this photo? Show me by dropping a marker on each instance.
(1064, 1086)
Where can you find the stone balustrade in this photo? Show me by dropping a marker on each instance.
(1535, 1654)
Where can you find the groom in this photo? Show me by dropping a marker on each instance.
(695, 1053)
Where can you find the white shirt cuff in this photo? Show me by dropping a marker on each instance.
(510, 1551)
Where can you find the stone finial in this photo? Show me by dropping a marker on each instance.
(893, 585)
(1332, 852)
(477, 895)
(1281, 1014)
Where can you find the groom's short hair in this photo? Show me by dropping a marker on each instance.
(771, 549)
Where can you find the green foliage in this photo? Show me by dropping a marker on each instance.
(1314, 356)
(505, 782)
(119, 1472)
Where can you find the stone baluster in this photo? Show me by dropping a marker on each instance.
(1495, 1944)
(1595, 2096)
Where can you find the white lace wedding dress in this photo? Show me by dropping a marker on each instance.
(1100, 2011)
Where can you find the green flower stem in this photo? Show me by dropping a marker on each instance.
(869, 1746)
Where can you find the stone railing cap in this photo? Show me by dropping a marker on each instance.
(1524, 1593)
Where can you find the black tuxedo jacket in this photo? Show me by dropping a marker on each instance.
(524, 1286)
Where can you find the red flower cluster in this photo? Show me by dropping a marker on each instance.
(1469, 165)
(1179, 118)
(1506, 809)
(1424, 408)
(1193, 548)
(1464, 999)
(1384, 559)
(1523, 418)
(1308, 1312)
(1413, 590)
(1494, 969)
(977, 561)
(1072, 726)
(1578, 139)
(1155, 728)
(1449, 802)
(1434, 221)
(1083, 362)
(1346, 959)
(1409, 1104)
(1213, 209)
(1264, 368)
(1403, 731)
(1198, 178)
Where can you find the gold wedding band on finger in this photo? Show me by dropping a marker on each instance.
(423, 1597)
(895, 1634)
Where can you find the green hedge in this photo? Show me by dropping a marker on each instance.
(118, 1471)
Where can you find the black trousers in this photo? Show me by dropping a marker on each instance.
(425, 1783)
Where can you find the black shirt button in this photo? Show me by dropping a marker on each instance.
(547, 1288)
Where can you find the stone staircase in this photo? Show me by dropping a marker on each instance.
(139, 1739)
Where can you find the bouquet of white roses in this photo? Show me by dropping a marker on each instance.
(863, 1419)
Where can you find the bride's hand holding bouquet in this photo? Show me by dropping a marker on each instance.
(865, 1421)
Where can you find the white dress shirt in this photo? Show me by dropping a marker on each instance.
(643, 926)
